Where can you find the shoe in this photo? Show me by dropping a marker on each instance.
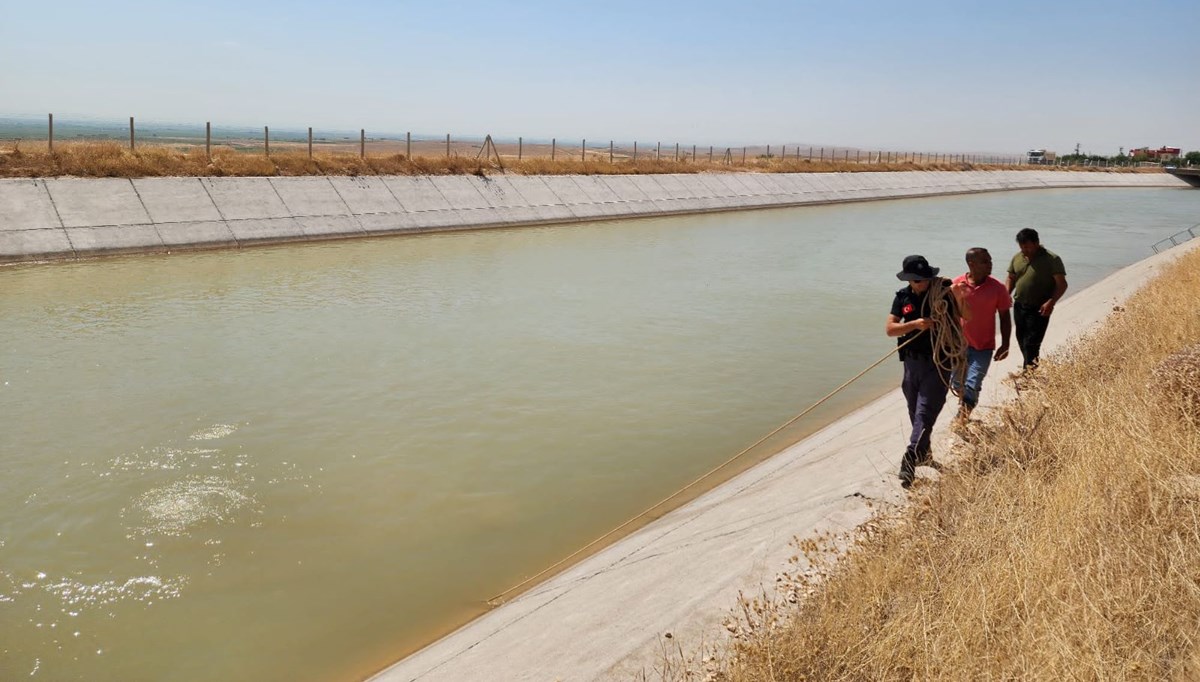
(925, 459)
(908, 469)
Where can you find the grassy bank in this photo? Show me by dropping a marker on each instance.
(1063, 542)
(111, 159)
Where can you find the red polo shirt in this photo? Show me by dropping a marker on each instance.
(985, 299)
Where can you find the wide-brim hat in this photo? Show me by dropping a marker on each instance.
(916, 269)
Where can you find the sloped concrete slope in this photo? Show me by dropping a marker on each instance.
(608, 617)
(65, 218)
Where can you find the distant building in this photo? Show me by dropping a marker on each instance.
(1160, 153)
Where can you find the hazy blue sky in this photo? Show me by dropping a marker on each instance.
(936, 75)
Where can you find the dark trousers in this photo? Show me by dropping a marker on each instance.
(1031, 329)
(925, 392)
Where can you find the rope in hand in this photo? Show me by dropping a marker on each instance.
(947, 337)
(949, 356)
(498, 599)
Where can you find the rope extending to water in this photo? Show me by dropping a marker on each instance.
(949, 355)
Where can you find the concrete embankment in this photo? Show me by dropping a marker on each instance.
(608, 617)
(66, 218)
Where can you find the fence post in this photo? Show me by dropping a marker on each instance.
(208, 140)
(130, 133)
(553, 148)
(676, 152)
(408, 146)
(50, 138)
(693, 153)
(858, 156)
(710, 153)
(810, 153)
(658, 151)
(583, 150)
(743, 156)
(768, 152)
(783, 154)
(520, 148)
(267, 140)
(610, 151)
(822, 154)
(635, 151)
(447, 145)
(310, 143)
(362, 143)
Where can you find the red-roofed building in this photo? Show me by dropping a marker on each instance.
(1160, 153)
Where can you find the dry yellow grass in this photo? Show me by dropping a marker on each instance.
(111, 159)
(1063, 544)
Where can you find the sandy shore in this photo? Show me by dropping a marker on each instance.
(607, 617)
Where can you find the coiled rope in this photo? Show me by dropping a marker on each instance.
(947, 337)
(949, 355)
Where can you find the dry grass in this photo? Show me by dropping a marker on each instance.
(1063, 544)
(111, 159)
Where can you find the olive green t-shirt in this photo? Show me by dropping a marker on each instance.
(1035, 277)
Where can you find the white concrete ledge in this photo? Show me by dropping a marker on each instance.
(66, 218)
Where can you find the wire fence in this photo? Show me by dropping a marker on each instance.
(312, 141)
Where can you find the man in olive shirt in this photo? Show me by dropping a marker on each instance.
(1036, 280)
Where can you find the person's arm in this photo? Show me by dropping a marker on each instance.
(1012, 282)
(897, 327)
(959, 290)
(1005, 334)
(1060, 288)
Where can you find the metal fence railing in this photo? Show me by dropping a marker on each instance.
(1176, 239)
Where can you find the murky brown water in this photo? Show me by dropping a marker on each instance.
(292, 463)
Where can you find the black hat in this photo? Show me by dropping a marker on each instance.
(916, 268)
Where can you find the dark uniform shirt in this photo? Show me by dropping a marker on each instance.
(908, 306)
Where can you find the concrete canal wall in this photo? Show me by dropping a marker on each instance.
(67, 218)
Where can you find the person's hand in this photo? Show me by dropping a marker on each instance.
(1047, 308)
(1001, 353)
(924, 323)
(959, 289)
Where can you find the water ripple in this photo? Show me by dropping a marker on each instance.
(179, 507)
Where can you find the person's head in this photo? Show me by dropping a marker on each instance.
(1028, 240)
(979, 263)
(917, 272)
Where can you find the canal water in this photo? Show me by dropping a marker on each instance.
(298, 462)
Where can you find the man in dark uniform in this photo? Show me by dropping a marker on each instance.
(924, 385)
(1036, 280)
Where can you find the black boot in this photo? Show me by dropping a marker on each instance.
(908, 468)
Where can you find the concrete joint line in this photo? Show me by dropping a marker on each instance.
(61, 226)
(291, 214)
(345, 203)
(224, 221)
(149, 217)
(403, 208)
(516, 190)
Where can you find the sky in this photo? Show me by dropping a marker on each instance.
(953, 76)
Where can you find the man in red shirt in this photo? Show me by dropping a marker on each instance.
(988, 298)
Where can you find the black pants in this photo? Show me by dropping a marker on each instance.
(925, 391)
(1031, 329)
